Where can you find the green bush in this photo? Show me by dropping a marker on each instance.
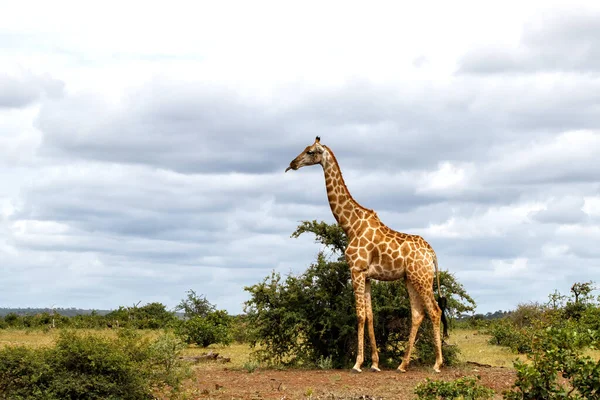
(590, 319)
(240, 329)
(24, 373)
(12, 320)
(466, 388)
(557, 370)
(92, 367)
(504, 333)
(203, 324)
(425, 349)
(204, 331)
(527, 314)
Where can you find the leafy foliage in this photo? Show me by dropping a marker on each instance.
(554, 336)
(204, 324)
(195, 306)
(505, 333)
(557, 370)
(302, 319)
(204, 331)
(466, 388)
(149, 316)
(521, 328)
(92, 367)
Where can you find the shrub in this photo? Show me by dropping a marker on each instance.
(590, 319)
(165, 368)
(204, 331)
(240, 329)
(466, 388)
(504, 333)
(425, 349)
(526, 314)
(91, 367)
(557, 370)
(13, 320)
(24, 373)
(204, 324)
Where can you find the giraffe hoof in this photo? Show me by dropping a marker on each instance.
(356, 371)
(436, 370)
(401, 370)
(375, 369)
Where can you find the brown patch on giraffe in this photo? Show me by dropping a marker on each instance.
(362, 252)
(404, 249)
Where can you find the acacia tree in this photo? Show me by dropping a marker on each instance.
(194, 305)
(310, 317)
(581, 291)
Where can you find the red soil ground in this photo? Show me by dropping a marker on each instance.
(223, 383)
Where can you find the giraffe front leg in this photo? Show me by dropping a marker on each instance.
(358, 282)
(371, 329)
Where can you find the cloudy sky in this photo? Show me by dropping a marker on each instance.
(142, 145)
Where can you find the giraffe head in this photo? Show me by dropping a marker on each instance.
(311, 155)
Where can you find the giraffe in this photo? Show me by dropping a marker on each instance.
(377, 252)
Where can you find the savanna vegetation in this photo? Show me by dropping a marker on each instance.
(310, 320)
(304, 321)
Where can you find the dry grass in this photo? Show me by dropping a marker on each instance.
(45, 338)
(474, 346)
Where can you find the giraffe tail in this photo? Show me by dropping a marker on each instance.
(442, 300)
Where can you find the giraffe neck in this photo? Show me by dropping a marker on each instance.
(344, 208)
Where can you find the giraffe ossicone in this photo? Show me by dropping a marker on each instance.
(377, 252)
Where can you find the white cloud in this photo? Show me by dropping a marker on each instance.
(485, 222)
(591, 206)
(509, 268)
(447, 177)
(143, 145)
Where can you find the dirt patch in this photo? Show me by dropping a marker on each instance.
(224, 383)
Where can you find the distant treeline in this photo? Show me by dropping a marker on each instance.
(487, 316)
(67, 312)
(149, 316)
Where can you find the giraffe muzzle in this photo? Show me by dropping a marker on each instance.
(291, 167)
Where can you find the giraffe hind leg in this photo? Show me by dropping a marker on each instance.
(417, 313)
(435, 314)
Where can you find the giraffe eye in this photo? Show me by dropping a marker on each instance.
(310, 153)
